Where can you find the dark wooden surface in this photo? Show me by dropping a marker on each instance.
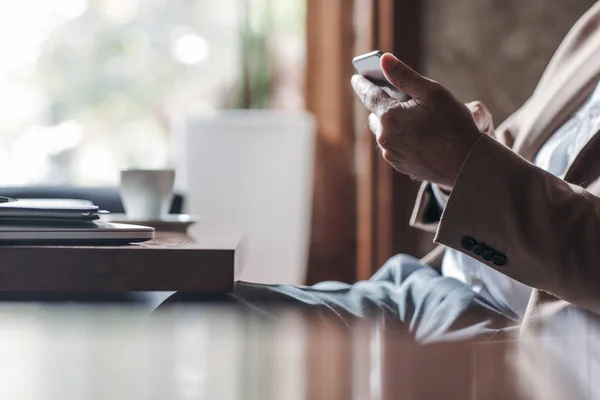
(171, 262)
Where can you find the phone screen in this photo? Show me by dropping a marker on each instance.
(369, 66)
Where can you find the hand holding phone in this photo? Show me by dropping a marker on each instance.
(369, 66)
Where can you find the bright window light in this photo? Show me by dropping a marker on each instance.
(90, 86)
(190, 48)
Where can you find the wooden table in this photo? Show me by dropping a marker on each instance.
(171, 262)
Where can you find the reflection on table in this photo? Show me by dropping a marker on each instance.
(218, 353)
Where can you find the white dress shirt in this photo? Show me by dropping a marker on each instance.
(555, 156)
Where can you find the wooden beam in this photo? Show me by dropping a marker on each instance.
(330, 48)
(375, 29)
(386, 42)
(366, 154)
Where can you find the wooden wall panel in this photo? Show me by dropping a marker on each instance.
(330, 43)
(366, 153)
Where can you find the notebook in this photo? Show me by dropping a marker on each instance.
(63, 222)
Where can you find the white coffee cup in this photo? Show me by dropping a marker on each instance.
(147, 194)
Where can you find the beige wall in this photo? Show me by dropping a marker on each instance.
(494, 50)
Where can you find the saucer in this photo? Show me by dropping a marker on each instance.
(168, 223)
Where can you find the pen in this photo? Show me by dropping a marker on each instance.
(4, 199)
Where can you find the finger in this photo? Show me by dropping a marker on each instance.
(482, 116)
(487, 116)
(404, 78)
(376, 128)
(373, 97)
(478, 115)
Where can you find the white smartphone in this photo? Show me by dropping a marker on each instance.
(369, 66)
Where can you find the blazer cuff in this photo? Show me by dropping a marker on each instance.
(474, 203)
(489, 210)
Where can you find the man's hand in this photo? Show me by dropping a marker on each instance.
(483, 120)
(427, 137)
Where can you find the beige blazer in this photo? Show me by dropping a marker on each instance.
(519, 219)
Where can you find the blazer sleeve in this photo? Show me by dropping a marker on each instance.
(525, 223)
(583, 30)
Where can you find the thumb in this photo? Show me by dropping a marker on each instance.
(402, 77)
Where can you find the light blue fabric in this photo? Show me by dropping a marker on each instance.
(412, 297)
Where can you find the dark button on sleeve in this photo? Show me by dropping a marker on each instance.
(480, 248)
(499, 259)
(488, 254)
(468, 243)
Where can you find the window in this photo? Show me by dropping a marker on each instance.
(90, 86)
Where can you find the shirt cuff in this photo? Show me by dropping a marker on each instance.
(441, 197)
